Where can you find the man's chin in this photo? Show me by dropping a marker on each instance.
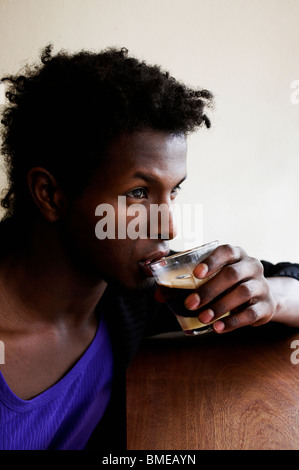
(146, 283)
(139, 285)
(136, 285)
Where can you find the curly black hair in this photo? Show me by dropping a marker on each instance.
(64, 112)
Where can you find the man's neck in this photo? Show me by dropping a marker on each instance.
(44, 286)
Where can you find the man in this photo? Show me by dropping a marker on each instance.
(82, 130)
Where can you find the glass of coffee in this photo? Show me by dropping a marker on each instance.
(176, 273)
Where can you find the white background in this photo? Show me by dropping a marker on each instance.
(245, 170)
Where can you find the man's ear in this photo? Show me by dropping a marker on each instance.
(46, 193)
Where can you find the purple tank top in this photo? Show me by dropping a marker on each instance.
(63, 416)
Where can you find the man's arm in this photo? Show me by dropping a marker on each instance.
(285, 292)
(283, 281)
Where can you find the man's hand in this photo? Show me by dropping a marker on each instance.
(239, 288)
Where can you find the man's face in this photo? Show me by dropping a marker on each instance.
(146, 168)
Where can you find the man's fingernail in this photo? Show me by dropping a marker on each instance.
(219, 326)
(192, 302)
(201, 270)
(206, 316)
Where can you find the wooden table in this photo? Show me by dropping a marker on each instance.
(233, 391)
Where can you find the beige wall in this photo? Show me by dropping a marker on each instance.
(245, 170)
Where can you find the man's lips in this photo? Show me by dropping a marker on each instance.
(156, 256)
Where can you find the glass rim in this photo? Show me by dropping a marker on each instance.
(186, 253)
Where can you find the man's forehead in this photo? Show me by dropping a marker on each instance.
(153, 176)
(148, 141)
(150, 153)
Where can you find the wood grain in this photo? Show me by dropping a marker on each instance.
(234, 391)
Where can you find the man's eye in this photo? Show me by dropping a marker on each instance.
(176, 189)
(138, 193)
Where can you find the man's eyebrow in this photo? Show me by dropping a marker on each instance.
(182, 180)
(152, 179)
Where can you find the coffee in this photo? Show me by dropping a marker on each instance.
(176, 273)
(180, 287)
